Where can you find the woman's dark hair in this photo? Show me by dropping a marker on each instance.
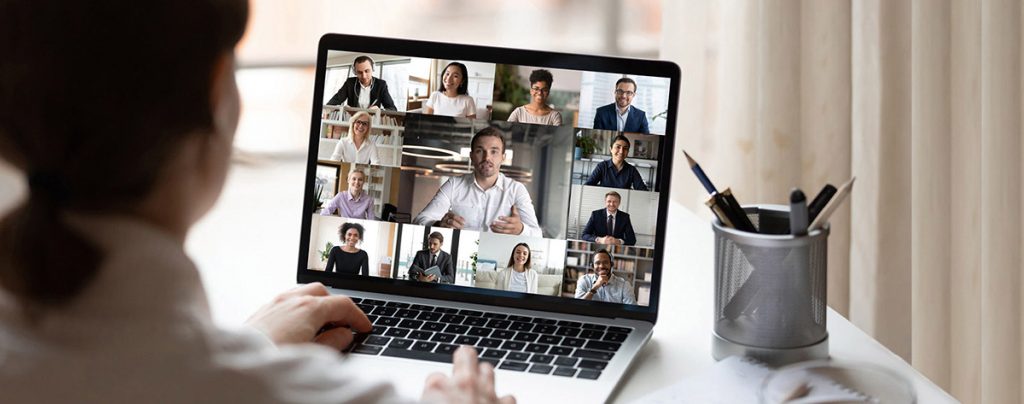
(541, 75)
(464, 87)
(95, 98)
(348, 226)
(512, 258)
(620, 138)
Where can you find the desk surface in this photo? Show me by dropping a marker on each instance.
(246, 251)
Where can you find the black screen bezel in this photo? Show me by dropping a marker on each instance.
(487, 54)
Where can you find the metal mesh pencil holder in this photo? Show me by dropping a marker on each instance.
(770, 299)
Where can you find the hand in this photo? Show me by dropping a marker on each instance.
(297, 315)
(601, 240)
(601, 281)
(426, 278)
(510, 224)
(471, 382)
(451, 220)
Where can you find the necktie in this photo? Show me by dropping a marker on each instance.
(433, 259)
(611, 225)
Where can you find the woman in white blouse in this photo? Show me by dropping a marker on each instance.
(517, 275)
(357, 147)
(538, 111)
(452, 99)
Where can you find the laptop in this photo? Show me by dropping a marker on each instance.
(536, 183)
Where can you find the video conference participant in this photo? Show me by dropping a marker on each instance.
(616, 172)
(610, 225)
(538, 111)
(452, 99)
(517, 275)
(603, 285)
(363, 90)
(357, 147)
(622, 115)
(349, 259)
(433, 256)
(484, 200)
(352, 202)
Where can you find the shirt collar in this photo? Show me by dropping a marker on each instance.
(500, 184)
(620, 112)
(351, 198)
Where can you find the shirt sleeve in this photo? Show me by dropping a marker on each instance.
(583, 286)
(556, 118)
(638, 181)
(431, 100)
(627, 295)
(595, 176)
(364, 263)
(339, 150)
(527, 214)
(331, 206)
(374, 153)
(438, 206)
(514, 116)
(470, 106)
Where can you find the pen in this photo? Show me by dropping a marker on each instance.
(819, 202)
(736, 212)
(714, 202)
(832, 205)
(797, 213)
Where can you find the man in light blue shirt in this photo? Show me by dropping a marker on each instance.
(603, 285)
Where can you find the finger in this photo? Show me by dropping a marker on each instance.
(515, 212)
(309, 289)
(486, 380)
(464, 368)
(337, 338)
(507, 400)
(458, 220)
(435, 381)
(342, 311)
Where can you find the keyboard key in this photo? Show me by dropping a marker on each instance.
(591, 334)
(589, 374)
(446, 348)
(537, 348)
(367, 349)
(373, 302)
(573, 342)
(420, 355)
(513, 345)
(520, 318)
(446, 310)
(493, 354)
(378, 329)
(503, 334)
(422, 307)
(420, 335)
(443, 337)
(499, 324)
(603, 346)
(411, 324)
(407, 313)
(493, 362)
(513, 366)
(424, 346)
(475, 321)
(526, 337)
(366, 308)
(545, 359)
(566, 361)
(549, 339)
(456, 329)
(496, 315)
(400, 343)
(545, 329)
(452, 318)
(467, 340)
(521, 326)
(429, 316)
(473, 313)
(598, 327)
(573, 324)
(560, 350)
(385, 311)
(517, 356)
(589, 364)
(615, 337)
(620, 330)
(564, 371)
(356, 299)
(541, 369)
(432, 326)
(545, 321)
(388, 321)
(567, 331)
(377, 340)
(598, 355)
(489, 343)
(397, 304)
(396, 332)
(479, 332)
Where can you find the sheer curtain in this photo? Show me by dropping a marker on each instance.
(921, 101)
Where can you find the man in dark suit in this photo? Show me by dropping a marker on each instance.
(363, 90)
(621, 115)
(433, 256)
(601, 220)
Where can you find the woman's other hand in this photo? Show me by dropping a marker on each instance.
(298, 315)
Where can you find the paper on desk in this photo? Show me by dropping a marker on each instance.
(732, 380)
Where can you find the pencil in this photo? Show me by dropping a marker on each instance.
(703, 178)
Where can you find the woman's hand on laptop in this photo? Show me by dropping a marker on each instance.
(298, 315)
(471, 382)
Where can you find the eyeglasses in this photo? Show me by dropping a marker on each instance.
(626, 93)
(540, 89)
(362, 123)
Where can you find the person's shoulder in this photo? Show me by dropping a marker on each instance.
(597, 212)
(637, 110)
(606, 108)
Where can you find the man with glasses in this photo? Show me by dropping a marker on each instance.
(621, 115)
(363, 90)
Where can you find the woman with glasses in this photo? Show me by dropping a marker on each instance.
(357, 147)
(538, 111)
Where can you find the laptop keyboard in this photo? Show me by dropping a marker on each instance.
(514, 343)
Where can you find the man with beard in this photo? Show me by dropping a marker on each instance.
(617, 173)
(484, 200)
(602, 285)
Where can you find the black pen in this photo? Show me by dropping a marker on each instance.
(797, 213)
(819, 202)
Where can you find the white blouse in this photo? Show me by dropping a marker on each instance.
(460, 106)
(141, 331)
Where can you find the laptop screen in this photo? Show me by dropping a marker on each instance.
(500, 176)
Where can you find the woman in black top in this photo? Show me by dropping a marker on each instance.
(348, 258)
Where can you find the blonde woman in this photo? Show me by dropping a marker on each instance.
(517, 275)
(357, 147)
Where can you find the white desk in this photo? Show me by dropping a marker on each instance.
(247, 250)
